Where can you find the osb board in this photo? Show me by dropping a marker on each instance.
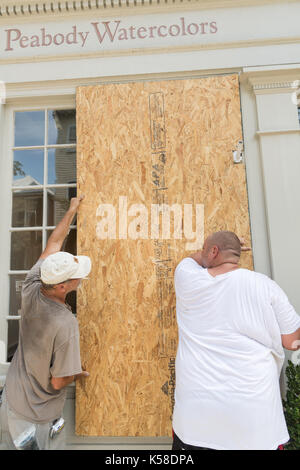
(153, 142)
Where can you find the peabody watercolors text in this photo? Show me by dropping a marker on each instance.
(103, 31)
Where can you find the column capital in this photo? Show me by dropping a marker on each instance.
(273, 85)
(272, 79)
(277, 94)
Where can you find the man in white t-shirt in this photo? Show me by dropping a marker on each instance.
(233, 324)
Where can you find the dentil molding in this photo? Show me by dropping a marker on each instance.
(21, 8)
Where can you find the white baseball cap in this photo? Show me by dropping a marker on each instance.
(62, 266)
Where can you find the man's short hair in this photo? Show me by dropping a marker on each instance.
(226, 241)
(47, 286)
(51, 286)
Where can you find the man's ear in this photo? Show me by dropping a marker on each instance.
(215, 251)
(65, 286)
(60, 287)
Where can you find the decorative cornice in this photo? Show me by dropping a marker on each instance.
(15, 8)
(272, 86)
(269, 82)
(41, 8)
(275, 85)
(278, 87)
(280, 78)
(25, 8)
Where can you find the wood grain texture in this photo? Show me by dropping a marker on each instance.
(154, 142)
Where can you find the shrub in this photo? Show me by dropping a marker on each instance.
(291, 405)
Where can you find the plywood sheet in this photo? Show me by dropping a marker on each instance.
(140, 145)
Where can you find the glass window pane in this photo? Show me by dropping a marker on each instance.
(62, 126)
(29, 128)
(58, 202)
(28, 169)
(71, 299)
(69, 245)
(13, 338)
(16, 282)
(27, 208)
(26, 248)
(62, 166)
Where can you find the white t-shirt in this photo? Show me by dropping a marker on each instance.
(229, 358)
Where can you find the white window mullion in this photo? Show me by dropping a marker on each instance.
(14, 272)
(33, 147)
(45, 196)
(70, 185)
(40, 147)
(52, 227)
(35, 229)
(57, 146)
(25, 229)
(24, 188)
(48, 186)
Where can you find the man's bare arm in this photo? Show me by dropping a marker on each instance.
(60, 382)
(291, 341)
(60, 232)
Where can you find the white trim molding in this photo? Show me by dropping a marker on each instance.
(275, 86)
(278, 132)
(272, 80)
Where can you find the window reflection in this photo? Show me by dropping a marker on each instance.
(58, 202)
(69, 245)
(29, 128)
(12, 339)
(16, 283)
(28, 167)
(26, 248)
(70, 242)
(62, 127)
(27, 208)
(62, 166)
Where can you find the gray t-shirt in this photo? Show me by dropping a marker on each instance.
(48, 347)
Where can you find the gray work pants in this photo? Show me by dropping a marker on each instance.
(13, 425)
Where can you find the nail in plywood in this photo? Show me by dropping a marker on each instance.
(141, 144)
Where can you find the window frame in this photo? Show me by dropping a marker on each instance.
(7, 150)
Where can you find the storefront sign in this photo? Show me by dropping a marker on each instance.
(105, 35)
(103, 32)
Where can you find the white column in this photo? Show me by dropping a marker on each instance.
(279, 135)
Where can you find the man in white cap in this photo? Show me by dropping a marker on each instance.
(48, 355)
